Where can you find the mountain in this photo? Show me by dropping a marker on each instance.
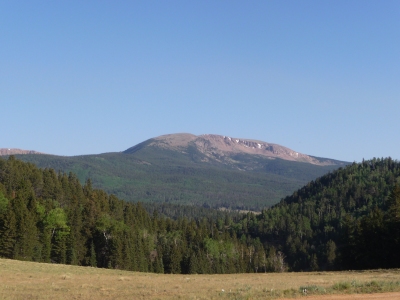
(13, 151)
(208, 170)
(224, 149)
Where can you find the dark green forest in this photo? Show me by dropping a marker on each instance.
(50, 217)
(155, 175)
(346, 219)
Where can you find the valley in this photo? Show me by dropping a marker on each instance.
(346, 219)
(208, 170)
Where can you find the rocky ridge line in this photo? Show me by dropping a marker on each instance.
(14, 151)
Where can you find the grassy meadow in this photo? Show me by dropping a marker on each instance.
(29, 280)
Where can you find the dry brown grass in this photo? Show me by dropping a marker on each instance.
(28, 280)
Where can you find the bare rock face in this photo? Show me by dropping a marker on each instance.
(212, 145)
(13, 151)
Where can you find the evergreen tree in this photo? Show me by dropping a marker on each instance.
(93, 260)
(8, 234)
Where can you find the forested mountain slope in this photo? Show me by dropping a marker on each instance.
(346, 219)
(50, 217)
(210, 171)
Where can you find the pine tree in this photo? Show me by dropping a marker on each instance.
(92, 260)
(393, 228)
(8, 234)
(175, 259)
(330, 253)
(193, 264)
(394, 205)
(314, 262)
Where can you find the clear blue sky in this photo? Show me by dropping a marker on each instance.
(85, 77)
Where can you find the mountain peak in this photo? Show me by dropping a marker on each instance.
(222, 147)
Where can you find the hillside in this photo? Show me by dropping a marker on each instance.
(50, 217)
(208, 170)
(347, 219)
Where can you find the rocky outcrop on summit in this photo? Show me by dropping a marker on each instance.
(13, 151)
(222, 147)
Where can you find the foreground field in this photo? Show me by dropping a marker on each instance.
(28, 280)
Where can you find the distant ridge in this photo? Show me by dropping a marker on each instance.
(14, 151)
